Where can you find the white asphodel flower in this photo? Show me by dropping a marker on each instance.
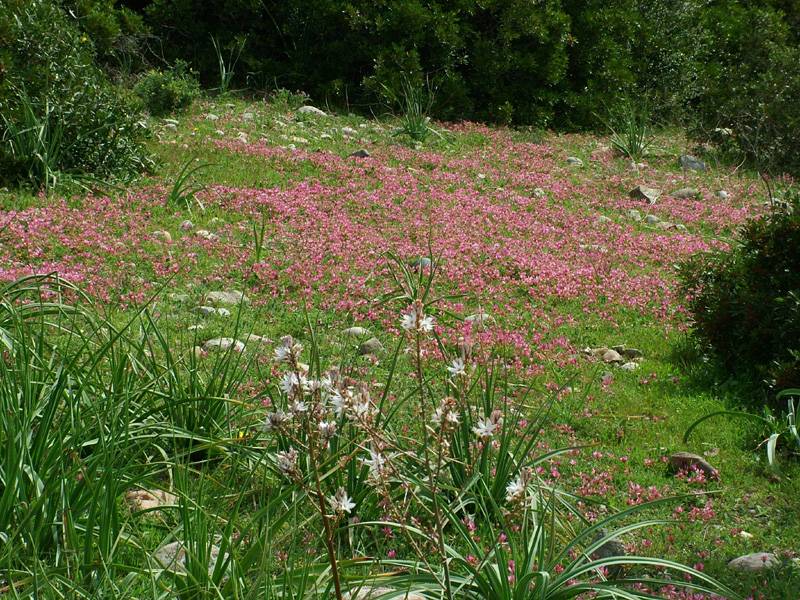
(514, 489)
(340, 502)
(415, 320)
(485, 428)
(287, 461)
(288, 349)
(456, 368)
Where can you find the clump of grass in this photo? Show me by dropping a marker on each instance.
(414, 102)
(630, 130)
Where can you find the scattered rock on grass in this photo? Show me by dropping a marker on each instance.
(630, 366)
(206, 235)
(187, 225)
(685, 193)
(212, 117)
(371, 347)
(421, 262)
(691, 163)
(205, 311)
(611, 356)
(641, 192)
(223, 344)
(311, 110)
(574, 161)
(163, 236)
(349, 132)
(687, 460)
(758, 561)
(178, 297)
(722, 195)
(360, 153)
(651, 219)
(172, 557)
(140, 500)
(373, 593)
(230, 297)
(356, 331)
(603, 220)
(634, 214)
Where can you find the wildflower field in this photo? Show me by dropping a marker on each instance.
(457, 368)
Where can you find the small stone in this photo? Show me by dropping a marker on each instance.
(163, 236)
(629, 353)
(374, 593)
(311, 110)
(685, 193)
(325, 136)
(230, 297)
(651, 219)
(205, 311)
(371, 347)
(356, 331)
(641, 192)
(686, 460)
(171, 126)
(680, 227)
(665, 225)
(223, 344)
(172, 557)
(178, 297)
(610, 549)
(745, 535)
(722, 195)
(298, 140)
(691, 163)
(349, 132)
(611, 356)
(574, 161)
(422, 262)
(759, 561)
(634, 214)
(140, 500)
(223, 312)
(252, 338)
(187, 225)
(480, 320)
(212, 117)
(360, 153)
(206, 235)
(630, 366)
(603, 220)
(248, 116)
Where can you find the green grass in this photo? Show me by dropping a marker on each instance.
(636, 419)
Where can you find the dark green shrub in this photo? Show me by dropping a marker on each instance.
(163, 92)
(50, 83)
(745, 303)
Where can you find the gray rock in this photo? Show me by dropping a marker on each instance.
(248, 116)
(144, 499)
(252, 338)
(574, 161)
(603, 220)
(372, 347)
(722, 195)
(206, 235)
(187, 225)
(691, 163)
(480, 320)
(349, 132)
(629, 353)
(651, 219)
(230, 297)
(758, 561)
(685, 193)
(171, 126)
(629, 366)
(641, 192)
(356, 331)
(680, 227)
(205, 311)
(163, 236)
(361, 153)
(611, 548)
(421, 262)
(612, 356)
(686, 460)
(223, 312)
(178, 297)
(665, 225)
(374, 593)
(635, 214)
(223, 344)
(311, 110)
(172, 557)
(212, 117)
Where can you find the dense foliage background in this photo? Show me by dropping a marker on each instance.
(709, 65)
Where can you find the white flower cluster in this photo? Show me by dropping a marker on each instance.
(416, 320)
(517, 490)
(487, 427)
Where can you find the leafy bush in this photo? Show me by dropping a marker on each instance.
(164, 92)
(50, 80)
(745, 303)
